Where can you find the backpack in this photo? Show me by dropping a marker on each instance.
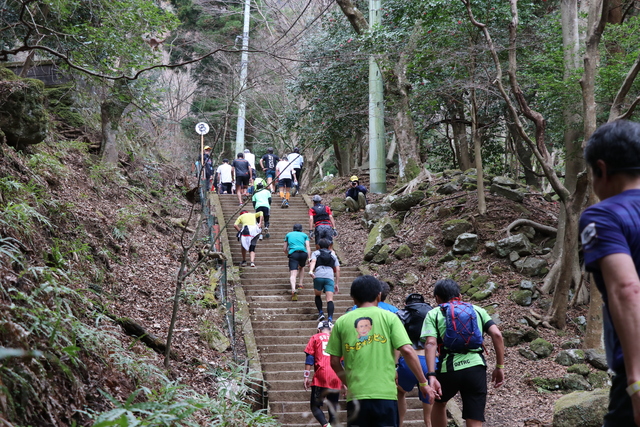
(462, 334)
(412, 317)
(325, 259)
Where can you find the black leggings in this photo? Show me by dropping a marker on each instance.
(318, 395)
(265, 213)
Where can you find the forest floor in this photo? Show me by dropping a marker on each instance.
(142, 258)
(518, 402)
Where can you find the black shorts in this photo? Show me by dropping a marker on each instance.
(323, 231)
(225, 186)
(472, 385)
(318, 394)
(297, 259)
(372, 413)
(285, 182)
(242, 181)
(620, 408)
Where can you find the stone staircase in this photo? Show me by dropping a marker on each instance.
(283, 327)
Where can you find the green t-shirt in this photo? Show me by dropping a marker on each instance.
(296, 241)
(261, 198)
(366, 338)
(435, 326)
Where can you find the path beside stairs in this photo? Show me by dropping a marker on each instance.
(283, 327)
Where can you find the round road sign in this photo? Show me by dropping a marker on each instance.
(202, 128)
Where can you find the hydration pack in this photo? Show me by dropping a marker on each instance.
(325, 258)
(462, 333)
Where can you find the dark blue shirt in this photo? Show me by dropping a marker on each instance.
(606, 228)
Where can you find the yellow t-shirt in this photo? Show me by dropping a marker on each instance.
(248, 218)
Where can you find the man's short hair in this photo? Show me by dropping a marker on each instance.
(270, 150)
(296, 150)
(365, 289)
(385, 290)
(297, 227)
(225, 160)
(323, 243)
(617, 144)
(241, 155)
(446, 289)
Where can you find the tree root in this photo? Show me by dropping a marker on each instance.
(540, 319)
(545, 229)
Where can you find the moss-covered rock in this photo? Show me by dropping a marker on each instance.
(338, 205)
(551, 384)
(384, 229)
(541, 347)
(575, 382)
(453, 228)
(383, 255)
(599, 379)
(579, 368)
(522, 297)
(322, 187)
(23, 118)
(581, 408)
(570, 357)
(61, 103)
(405, 202)
(430, 249)
(403, 252)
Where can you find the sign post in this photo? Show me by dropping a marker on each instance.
(202, 129)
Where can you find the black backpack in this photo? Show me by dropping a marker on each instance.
(325, 259)
(412, 317)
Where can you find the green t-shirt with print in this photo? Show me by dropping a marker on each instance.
(261, 197)
(366, 338)
(435, 326)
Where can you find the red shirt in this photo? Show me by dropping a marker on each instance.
(327, 221)
(324, 375)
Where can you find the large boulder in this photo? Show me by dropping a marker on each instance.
(382, 256)
(532, 266)
(581, 408)
(453, 228)
(375, 211)
(465, 243)
(338, 205)
(596, 358)
(507, 193)
(448, 188)
(407, 201)
(518, 243)
(23, 118)
(384, 229)
(522, 297)
(504, 181)
(570, 357)
(430, 249)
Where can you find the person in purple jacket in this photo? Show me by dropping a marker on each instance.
(610, 235)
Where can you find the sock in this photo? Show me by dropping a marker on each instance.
(287, 196)
(330, 309)
(319, 303)
(281, 194)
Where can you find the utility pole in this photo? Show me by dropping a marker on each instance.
(244, 61)
(377, 163)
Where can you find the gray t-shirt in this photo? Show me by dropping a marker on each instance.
(242, 167)
(324, 271)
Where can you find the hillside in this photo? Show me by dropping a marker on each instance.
(86, 251)
(523, 400)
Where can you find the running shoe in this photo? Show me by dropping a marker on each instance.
(243, 263)
(253, 264)
(294, 296)
(321, 317)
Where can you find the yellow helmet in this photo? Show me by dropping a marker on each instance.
(353, 178)
(206, 147)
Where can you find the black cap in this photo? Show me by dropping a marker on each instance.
(414, 298)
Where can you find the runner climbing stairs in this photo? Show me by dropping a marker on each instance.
(283, 327)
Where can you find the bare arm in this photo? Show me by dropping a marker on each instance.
(285, 247)
(623, 288)
(497, 377)
(336, 270)
(261, 164)
(431, 347)
(333, 221)
(308, 248)
(310, 222)
(312, 266)
(338, 369)
(307, 380)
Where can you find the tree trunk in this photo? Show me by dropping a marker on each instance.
(343, 157)
(403, 125)
(593, 335)
(477, 145)
(111, 111)
(459, 128)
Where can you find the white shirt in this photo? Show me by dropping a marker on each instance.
(251, 158)
(225, 173)
(296, 160)
(285, 169)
